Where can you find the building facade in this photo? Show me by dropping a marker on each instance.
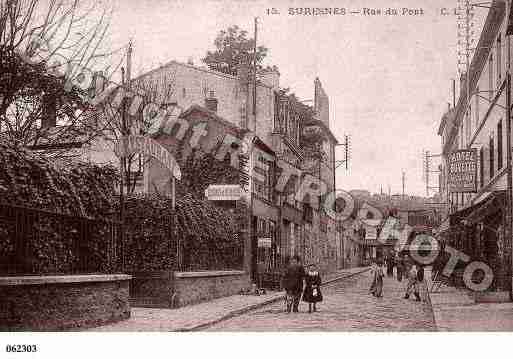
(478, 217)
(283, 224)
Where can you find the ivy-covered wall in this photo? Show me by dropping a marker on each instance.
(51, 216)
(196, 236)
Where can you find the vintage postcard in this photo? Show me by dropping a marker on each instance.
(255, 166)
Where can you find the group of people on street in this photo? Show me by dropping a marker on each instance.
(404, 267)
(305, 285)
(301, 284)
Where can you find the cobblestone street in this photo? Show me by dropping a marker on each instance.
(347, 306)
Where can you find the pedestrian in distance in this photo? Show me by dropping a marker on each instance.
(413, 283)
(377, 274)
(293, 283)
(420, 273)
(390, 264)
(399, 265)
(312, 292)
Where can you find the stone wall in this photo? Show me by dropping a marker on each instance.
(152, 289)
(49, 303)
(195, 287)
(178, 289)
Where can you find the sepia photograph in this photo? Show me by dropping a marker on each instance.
(224, 166)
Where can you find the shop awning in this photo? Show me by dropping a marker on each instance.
(456, 217)
(492, 204)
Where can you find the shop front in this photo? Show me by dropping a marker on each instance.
(479, 231)
(293, 238)
(266, 245)
(488, 222)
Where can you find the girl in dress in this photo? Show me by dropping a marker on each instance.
(377, 273)
(312, 292)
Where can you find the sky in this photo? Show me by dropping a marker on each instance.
(388, 77)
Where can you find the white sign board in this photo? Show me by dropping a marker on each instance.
(223, 192)
(264, 242)
(371, 232)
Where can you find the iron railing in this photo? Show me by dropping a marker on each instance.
(35, 241)
(40, 242)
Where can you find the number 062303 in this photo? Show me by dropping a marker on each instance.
(21, 348)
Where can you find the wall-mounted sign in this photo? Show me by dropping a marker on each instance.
(371, 232)
(264, 242)
(312, 130)
(463, 171)
(147, 146)
(223, 192)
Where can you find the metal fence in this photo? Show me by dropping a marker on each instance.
(34, 241)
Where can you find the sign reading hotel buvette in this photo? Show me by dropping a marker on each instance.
(463, 171)
(147, 146)
(223, 192)
(264, 242)
(312, 130)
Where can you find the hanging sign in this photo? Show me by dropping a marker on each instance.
(128, 145)
(463, 171)
(223, 192)
(264, 242)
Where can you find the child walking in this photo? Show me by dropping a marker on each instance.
(312, 292)
(413, 283)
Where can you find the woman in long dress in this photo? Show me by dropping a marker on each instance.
(377, 273)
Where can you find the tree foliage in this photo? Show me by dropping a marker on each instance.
(199, 170)
(31, 180)
(44, 47)
(233, 48)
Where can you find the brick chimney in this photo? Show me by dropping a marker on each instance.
(271, 78)
(49, 118)
(211, 102)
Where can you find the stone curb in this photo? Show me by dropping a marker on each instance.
(249, 308)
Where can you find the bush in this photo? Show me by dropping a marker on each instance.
(207, 236)
(54, 203)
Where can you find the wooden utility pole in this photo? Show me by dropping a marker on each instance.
(403, 177)
(125, 82)
(453, 93)
(122, 161)
(248, 251)
(255, 73)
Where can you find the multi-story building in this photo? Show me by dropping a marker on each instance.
(297, 226)
(474, 135)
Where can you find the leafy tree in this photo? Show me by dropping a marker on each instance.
(233, 47)
(44, 44)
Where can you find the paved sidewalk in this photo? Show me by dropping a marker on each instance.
(202, 315)
(455, 310)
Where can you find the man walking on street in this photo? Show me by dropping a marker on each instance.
(413, 284)
(293, 283)
(389, 261)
